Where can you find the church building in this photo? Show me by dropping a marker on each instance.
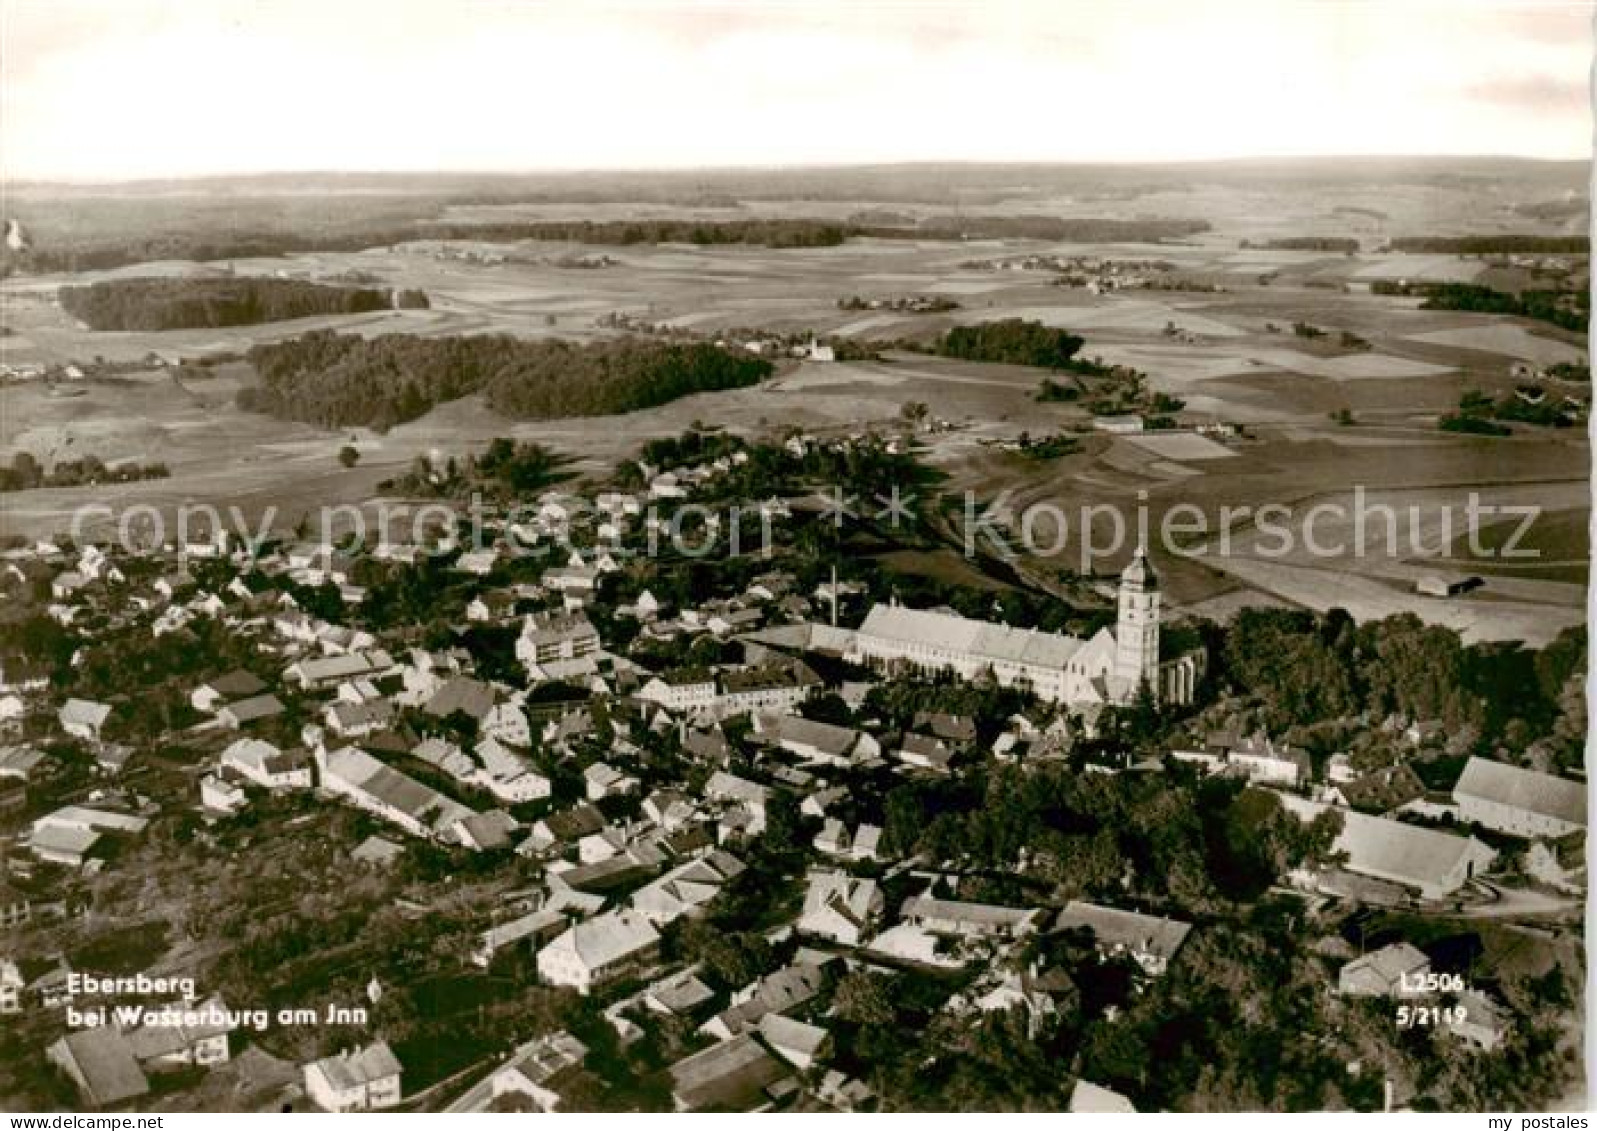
(1108, 668)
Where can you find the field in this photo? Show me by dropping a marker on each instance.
(1228, 352)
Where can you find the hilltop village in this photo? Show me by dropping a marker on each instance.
(557, 812)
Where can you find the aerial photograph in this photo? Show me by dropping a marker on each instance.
(827, 558)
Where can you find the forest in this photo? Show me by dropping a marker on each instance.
(391, 226)
(1569, 310)
(338, 380)
(183, 304)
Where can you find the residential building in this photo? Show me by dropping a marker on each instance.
(1479, 1021)
(556, 643)
(83, 718)
(735, 1075)
(682, 690)
(1087, 1098)
(1152, 941)
(265, 765)
(841, 907)
(101, 1063)
(533, 1073)
(11, 985)
(599, 950)
(969, 920)
(685, 890)
(366, 1079)
(1391, 971)
(235, 685)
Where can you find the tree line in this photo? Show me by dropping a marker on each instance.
(1503, 244)
(1072, 230)
(338, 380)
(26, 473)
(1345, 245)
(180, 304)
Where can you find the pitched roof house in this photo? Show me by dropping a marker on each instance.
(83, 718)
(534, 1072)
(599, 950)
(735, 1075)
(101, 1063)
(1151, 940)
(840, 907)
(1392, 971)
(364, 1080)
(970, 920)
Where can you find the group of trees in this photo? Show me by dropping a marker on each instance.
(223, 242)
(180, 304)
(910, 304)
(1479, 414)
(26, 472)
(1050, 830)
(1051, 391)
(1047, 447)
(336, 381)
(1304, 668)
(506, 467)
(1015, 341)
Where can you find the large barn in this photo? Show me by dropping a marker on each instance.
(1519, 802)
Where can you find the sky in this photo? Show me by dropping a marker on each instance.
(124, 89)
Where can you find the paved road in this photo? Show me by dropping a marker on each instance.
(1512, 903)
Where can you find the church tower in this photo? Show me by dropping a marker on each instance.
(1137, 627)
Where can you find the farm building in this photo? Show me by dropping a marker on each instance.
(1436, 864)
(1446, 585)
(1519, 802)
(1118, 425)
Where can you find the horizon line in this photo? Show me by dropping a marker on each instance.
(34, 182)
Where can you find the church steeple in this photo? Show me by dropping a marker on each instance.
(1137, 626)
(1139, 572)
